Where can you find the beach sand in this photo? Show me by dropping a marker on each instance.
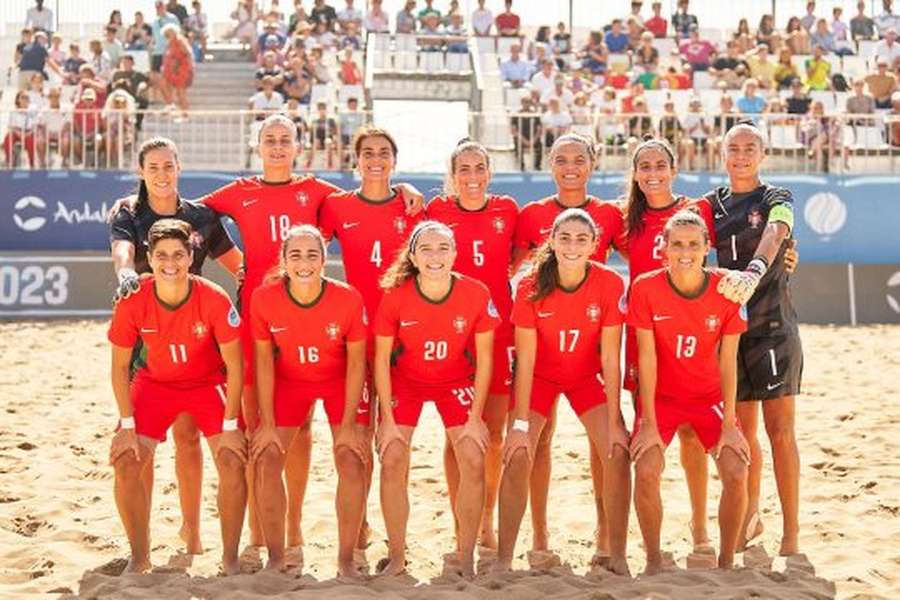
(60, 533)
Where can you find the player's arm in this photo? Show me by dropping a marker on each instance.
(232, 438)
(264, 355)
(731, 434)
(610, 346)
(123, 265)
(125, 439)
(412, 198)
(233, 262)
(648, 433)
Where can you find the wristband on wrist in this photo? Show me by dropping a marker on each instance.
(230, 424)
(758, 265)
(520, 425)
(126, 423)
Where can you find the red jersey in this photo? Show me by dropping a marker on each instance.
(180, 343)
(705, 209)
(536, 221)
(370, 233)
(645, 247)
(687, 332)
(264, 212)
(433, 340)
(569, 323)
(483, 242)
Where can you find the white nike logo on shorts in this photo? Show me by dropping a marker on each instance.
(349, 225)
(247, 203)
(544, 315)
(277, 329)
(145, 330)
(407, 323)
(772, 386)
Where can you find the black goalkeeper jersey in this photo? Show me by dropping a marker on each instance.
(740, 221)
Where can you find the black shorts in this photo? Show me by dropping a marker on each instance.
(769, 367)
(156, 62)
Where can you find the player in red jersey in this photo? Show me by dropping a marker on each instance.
(190, 334)
(563, 313)
(572, 160)
(483, 225)
(310, 343)
(427, 326)
(688, 337)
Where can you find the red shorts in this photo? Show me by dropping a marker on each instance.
(504, 353)
(156, 406)
(453, 401)
(582, 395)
(294, 400)
(631, 360)
(706, 420)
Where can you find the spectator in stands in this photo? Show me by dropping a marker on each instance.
(297, 80)
(581, 115)
(246, 16)
(112, 47)
(636, 12)
(324, 131)
(350, 38)
(406, 19)
(555, 121)
(888, 19)
(729, 68)
(179, 10)
(118, 127)
(87, 79)
(541, 43)
(840, 30)
(456, 28)
(53, 130)
(616, 38)
(673, 79)
(482, 20)
(526, 133)
(73, 63)
(294, 112)
(36, 99)
(316, 67)
(350, 120)
(894, 115)
(635, 29)
(562, 40)
(822, 37)
(55, 51)
(742, 37)
(671, 129)
(888, 48)
(428, 11)
(798, 102)
(177, 68)
(271, 39)
(139, 34)
(860, 102)
(87, 138)
(350, 14)
(34, 59)
(323, 13)
(560, 92)
(376, 20)
(682, 20)
(298, 16)
(542, 80)
(508, 22)
(797, 38)
(39, 18)
(695, 51)
(26, 39)
(349, 73)
(271, 69)
(453, 10)
(882, 84)
(267, 101)
(697, 130)
(100, 60)
(515, 71)
(818, 70)
(640, 124)
(595, 55)
(656, 24)
(785, 71)
(20, 130)
(133, 82)
(762, 68)
(822, 136)
(160, 43)
(751, 103)
(649, 79)
(808, 21)
(861, 26)
(198, 27)
(765, 31)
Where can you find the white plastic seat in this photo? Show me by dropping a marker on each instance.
(431, 62)
(784, 137)
(458, 62)
(869, 138)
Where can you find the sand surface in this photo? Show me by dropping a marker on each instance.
(59, 531)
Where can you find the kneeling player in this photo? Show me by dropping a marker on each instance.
(310, 337)
(687, 335)
(190, 333)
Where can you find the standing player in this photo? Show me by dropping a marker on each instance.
(687, 346)
(190, 334)
(753, 221)
(157, 198)
(427, 324)
(310, 343)
(572, 159)
(568, 316)
(483, 225)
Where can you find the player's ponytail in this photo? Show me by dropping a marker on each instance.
(403, 268)
(546, 265)
(464, 145)
(155, 143)
(635, 200)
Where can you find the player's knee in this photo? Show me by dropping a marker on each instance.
(647, 471)
(271, 461)
(127, 467)
(470, 458)
(229, 464)
(347, 463)
(780, 432)
(394, 461)
(186, 435)
(732, 471)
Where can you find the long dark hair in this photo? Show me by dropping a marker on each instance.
(635, 200)
(546, 271)
(155, 143)
(403, 268)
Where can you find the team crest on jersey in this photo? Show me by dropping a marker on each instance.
(755, 218)
(593, 312)
(712, 322)
(400, 224)
(196, 239)
(459, 324)
(302, 198)
(332, 329)
(499, 224)
(234, 319)
(199, 329)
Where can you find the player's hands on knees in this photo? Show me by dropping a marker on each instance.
(475, 430)
(129, 283)
(352, 438)
(646, 438)
(617, 436)
(234, 441)
(733, 438)
(387, 433)
(261, 439)
(516, 440)
(791, 256)
(128, 203)
(124, 441)
(738, 286)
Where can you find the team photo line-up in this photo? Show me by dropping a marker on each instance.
(489, 311)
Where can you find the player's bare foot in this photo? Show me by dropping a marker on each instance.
(618, 565)
(789, 546)
(654, 566)
(137, 565)
(467, 568)
(501, 566)
(540, 541)
(487, 537)
(349, 570)
(231, 567)
(542, 560)
(293, 557)
(753, 528)
(191, 539)
(275, 564)
(726, 562)
(392, 567)
(250, 558)
(700, 537)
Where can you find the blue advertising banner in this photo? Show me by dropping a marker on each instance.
(837, 219)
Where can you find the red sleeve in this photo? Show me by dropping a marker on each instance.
(488, 318)
(612, 223)
(735, 320)
(223, 318)
(522, 236)
(386, 318)
(614, 303)
(620, 241)
(259, 326)
(703, 206)
(357, 330)
(523, 308)
(123, 330)
(639, 314)
(328, 220)
(223, 199)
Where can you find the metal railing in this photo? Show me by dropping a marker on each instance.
(227, 140)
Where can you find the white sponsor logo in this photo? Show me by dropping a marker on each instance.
(544, 315)
(32, 223)
(661, 317)
(349, 225)
(70, 216)
(247, 203)
(772, 386)
(825, 213)
(407, 323)
(893, 282)
(145, 330)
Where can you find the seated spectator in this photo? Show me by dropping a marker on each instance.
(53, 130)
(860, 102)
(618, 80)
(139, 33)
(555, 121)
(796, 38)
(177, 9)
(697, 131)
(376, 20)
(323, 13)
(840, 31)
(861, 26)
(785, 71)
(350, 120)
(649, 79)
(297, 17)
(604, 100)
(350, 73)
(198, 28)
(100, 60)
(118, 127)
(540, 47)
(808, 21)
(20, 130)
(656, 24)
(729, 68)
(543, 79)
(55, 51)
(776, 112)
(818, 70)
(798, 102)
(823, 37)
(508, 22)
(762, 68)
(765, 31)
(562, 40)
(270, 39)
(888, 48)
(751, 103)
(616, 38)
(112, 47)
(324, 131)
(270, 69)
(88, 80)
(87, 138)
(37, 101)
(266, 101)
(294, 112)
(634, 28)
(742, 37)
(634, 92)
(430, 25)
(646, 53)
(317, 70)
(560, 92)
(682, 20)
(697, 52)
(822, 136)
(137, 84)
(726, 118)
(636, 12)
(882, 84)
(594, 55)
(406, 19)
(245, 17)
(671, 129)
(526, 132)
(34, 58)
(323, 36)
(641, 123)
(350, 14)
(456, 28)
(482, 20)
(515, 71)
(350, 38)
(428, 11)
(888, 19)
(581, 115)
(673, 79)
(297, 80)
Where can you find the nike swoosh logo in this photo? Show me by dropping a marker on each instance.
(507, 382)
(545, 231)
(661, 317)
(772, 386)
(452, 225)
(277, 329)
(719, 215)
(143, 330)
(407, 323)
(349, 225)
(544, 315)
(249, 202)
